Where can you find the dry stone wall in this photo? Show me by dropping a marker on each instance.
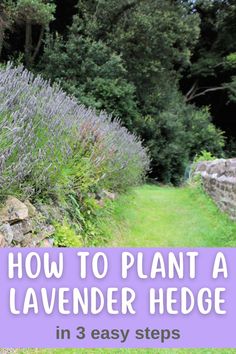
(21, 225)
(219, 181)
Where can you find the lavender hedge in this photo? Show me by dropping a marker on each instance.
(49, 141)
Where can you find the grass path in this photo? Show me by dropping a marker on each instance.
(120, 351)
(170, 217)
(163, 217)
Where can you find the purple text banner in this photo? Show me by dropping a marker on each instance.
(114, 298)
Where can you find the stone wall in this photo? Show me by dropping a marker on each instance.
(219, 181)
(22, 225)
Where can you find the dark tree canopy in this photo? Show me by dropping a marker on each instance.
(167, 69)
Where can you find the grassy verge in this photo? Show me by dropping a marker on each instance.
(170, 217)
(122, 351)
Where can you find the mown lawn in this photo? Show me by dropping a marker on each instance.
(163, 217)
(170, 217)
(122, 351)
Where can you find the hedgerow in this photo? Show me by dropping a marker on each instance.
(53, 147)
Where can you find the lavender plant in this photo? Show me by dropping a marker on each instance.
(49, 141)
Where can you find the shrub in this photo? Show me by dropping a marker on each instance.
(176, 135)
(50, 143)
(65, 236)
(204, 156)
(195, 178)
(52, 148)
(94, 74)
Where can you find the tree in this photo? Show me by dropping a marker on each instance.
(34, 12)
(92, 72)
(214, 62)
(153, 37)
(175, 135)
(210, 79)
(7, 13)
(127, 57)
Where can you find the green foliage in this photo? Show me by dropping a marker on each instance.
(230, 147)
(204, 156)
(36, 11)
(150, 36)
(77, 188)
(122, 57)
(7, 15)
(231, 60)
(127, 58)
(182, 131)
(88, 217)
(31, 13)
(154, 41)
(196, 179)
(92, 72)
(56, 151)
(206, 65)
(214, 60)
(231, 86)
(65, 236)
(173, 131)
(225, 25)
